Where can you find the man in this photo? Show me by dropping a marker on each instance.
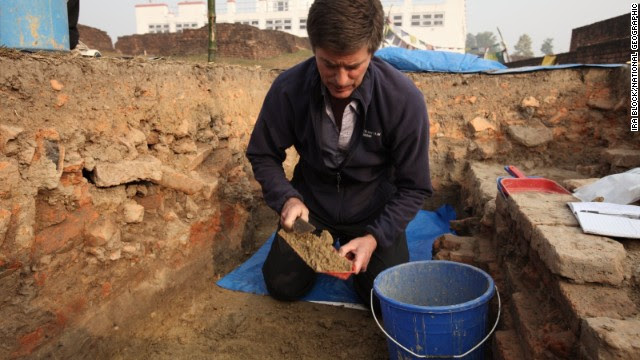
(361, 130)
(73, 12)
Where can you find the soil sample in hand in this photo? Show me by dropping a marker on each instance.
(317, 252)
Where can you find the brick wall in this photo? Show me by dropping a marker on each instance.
(601, 32)
(604, 42)
(234, 40)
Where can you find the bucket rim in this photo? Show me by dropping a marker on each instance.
(479, 301)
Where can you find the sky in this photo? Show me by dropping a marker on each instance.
(539, 19)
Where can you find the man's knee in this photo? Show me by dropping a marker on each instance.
(288, 286)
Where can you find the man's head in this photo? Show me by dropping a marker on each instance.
(344, 34)
(345, 26)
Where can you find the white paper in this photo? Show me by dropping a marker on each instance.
(608, 219)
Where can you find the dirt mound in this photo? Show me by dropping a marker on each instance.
(234, 40)
(95, 38)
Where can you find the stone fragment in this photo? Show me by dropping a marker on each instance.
(143, 168)
(601, 103)
(115, 255)
(479, 124)
(5, 217)
(570, 253)
(530, 102)
(9, 178)
(101, 232)
(628, 158)
(184, 146)
(56, 85)
(136, 137)
(132, 212)
(8, 133)
(606, 338)
(530, 136)
(200, 156)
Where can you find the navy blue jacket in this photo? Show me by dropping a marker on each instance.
(384, 179)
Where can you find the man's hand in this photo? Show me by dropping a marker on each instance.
(360, 249)
(293, 209)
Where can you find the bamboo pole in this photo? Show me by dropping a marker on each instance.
(213, 44)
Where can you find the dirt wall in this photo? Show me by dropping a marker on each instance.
(95, 38)
(121, 178)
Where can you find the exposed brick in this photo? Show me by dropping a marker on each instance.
(143, 168)
(568, 252)
(530, 136)
(534, 208)
(606, 338)
(151, 203)
(480, 124)
(586, 301)
(178, 181)
(204, 231)
(65, 235)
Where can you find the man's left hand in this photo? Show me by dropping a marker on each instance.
(361, 249)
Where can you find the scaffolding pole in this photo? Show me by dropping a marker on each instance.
(213, 44)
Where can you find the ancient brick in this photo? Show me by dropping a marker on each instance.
(587, 301)
(143, 168)
(535, 208)
(62, 237)
(201, 154)
(151, 202)
(606, 338)
(178, 181)
(568, 252)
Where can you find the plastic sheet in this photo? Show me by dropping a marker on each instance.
(421, 233)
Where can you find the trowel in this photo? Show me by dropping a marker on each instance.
(300, 226)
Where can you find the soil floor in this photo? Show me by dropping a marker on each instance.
(199, 320)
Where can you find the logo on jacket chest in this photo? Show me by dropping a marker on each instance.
(368, 133)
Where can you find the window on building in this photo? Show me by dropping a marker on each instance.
(281, 6)
(397, 20)
(430, 19)
(194, 25)
(303, 24)
(151, 27)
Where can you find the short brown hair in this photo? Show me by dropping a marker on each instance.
(345, 26)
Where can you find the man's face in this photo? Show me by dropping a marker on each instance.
(342, 73)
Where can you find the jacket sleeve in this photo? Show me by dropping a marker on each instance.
(271, 136)
(409, 144)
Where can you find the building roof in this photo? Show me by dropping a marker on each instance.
(150, 5)
(191, 3)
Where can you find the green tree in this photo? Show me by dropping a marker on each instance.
(523, 47)
(547, 46)
(485, 40)
(470, 44)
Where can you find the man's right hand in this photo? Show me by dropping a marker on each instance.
(294, 208)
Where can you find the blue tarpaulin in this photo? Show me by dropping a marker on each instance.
(421, 233)
(437, 61)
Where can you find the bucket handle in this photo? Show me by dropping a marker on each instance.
(440, 356)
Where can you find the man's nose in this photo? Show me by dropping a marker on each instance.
(342, 77)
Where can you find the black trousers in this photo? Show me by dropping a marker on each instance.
(73, 12)
(289, 278)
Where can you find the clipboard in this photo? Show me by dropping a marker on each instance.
(607, 219)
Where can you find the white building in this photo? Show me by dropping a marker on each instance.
(156, 17)
(439, 23)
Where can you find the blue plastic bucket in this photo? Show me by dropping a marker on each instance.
(435, 309)
(34, 24)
